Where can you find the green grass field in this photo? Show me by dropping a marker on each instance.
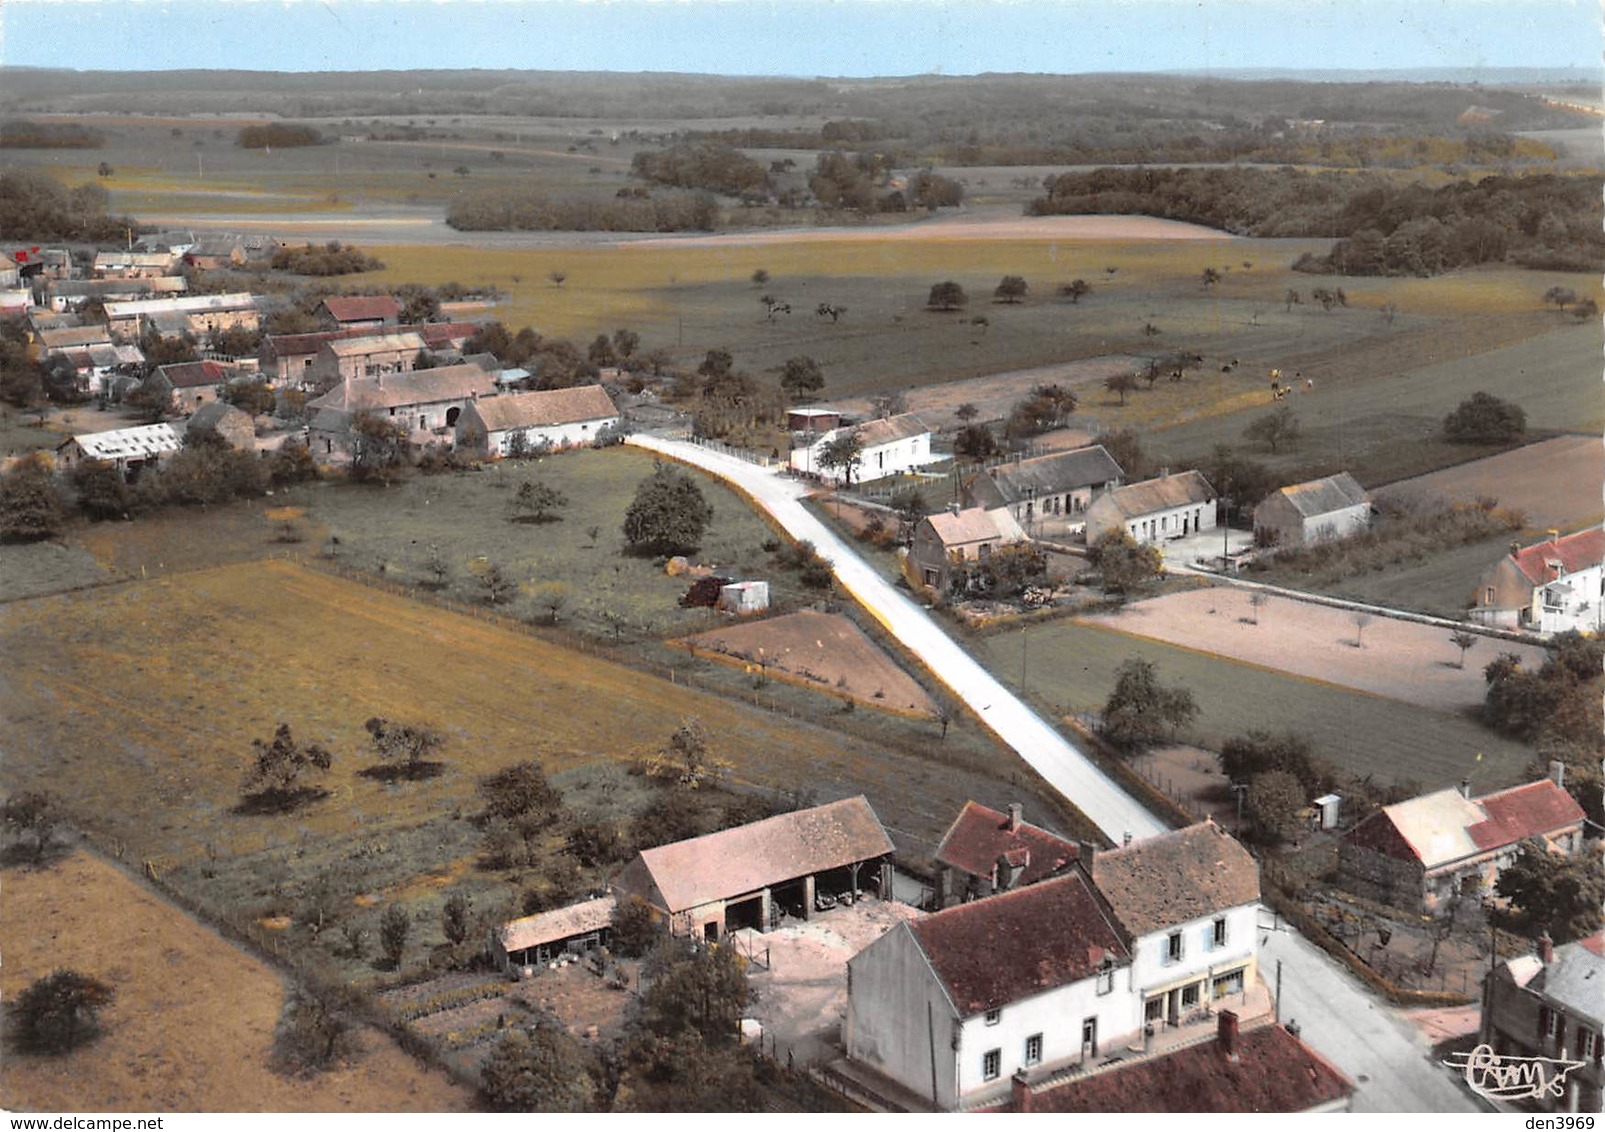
(1070, 668)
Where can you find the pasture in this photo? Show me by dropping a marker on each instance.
(1401, 660)
(138, 705)
(1070, 669)
(191, 1028)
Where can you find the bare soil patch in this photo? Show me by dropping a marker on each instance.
(1401, 660)
(191, 1029)
(1554, 483)
(987, 225)
(823, 649)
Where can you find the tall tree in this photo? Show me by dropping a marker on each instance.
(276, 779)
(537, 1068)
(1123, 563)
(33, 814)
(1011, 289)
(1121, 383)
(1564, 894)
(394, 927)
(30, 503)
(946, 296)
(1141, 711)
(842, 453)
(801, 378)
(668, 515)
(410, 746)
(1278, 427)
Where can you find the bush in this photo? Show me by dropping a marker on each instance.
(1484, 419)
(58, 1013)
(31, 508)
(636, 928)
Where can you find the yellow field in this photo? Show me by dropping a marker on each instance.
(191, 1029)
(140, 703)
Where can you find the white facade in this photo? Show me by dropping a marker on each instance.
(1218, 958)
(575, 433)
(1173, 522)
(901, 1022)
(1576, 601)
(894, 456)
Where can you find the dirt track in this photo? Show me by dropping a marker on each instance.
(1401, 660)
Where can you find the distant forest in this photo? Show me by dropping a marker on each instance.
(22, 134)
(1384, 228)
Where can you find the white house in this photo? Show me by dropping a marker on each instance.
(559, 418)
(887, 447)
(1187, 899)
(1318, 511)
(953, 1005)
(1156, 510)
(1058, 486)
(1551, 587)
(196, 314)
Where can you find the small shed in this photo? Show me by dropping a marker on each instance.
(744, 597)
(1327, 807)
(538, 939)
(233, 425)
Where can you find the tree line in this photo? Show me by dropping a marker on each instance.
(285, 135)
(20, 133)
(1548, 221)
(504, 210)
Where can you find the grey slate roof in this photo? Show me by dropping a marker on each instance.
(1044, 475)
(1323, 496)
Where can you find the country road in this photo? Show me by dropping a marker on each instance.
(1349, 1025)
(1039, 744)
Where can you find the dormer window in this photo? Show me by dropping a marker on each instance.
(1106, 976)
(993, 1017)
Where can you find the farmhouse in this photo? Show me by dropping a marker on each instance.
(984, 852)
(1055, 486)
(367, 355)
(947, 538)
(130, 450)
(213, 252)
(95, 366)
(555, 418)
(197, 315)
(1187, 900)
(1549, 588)
(134, 265)
(1259, 1070)
(1549, 1005)
(233, 426)
(366, 312)
(1155, 510)
(747, 877)
(442, 336)
(1321, 510)
(73, 338)
(71, 294)
(536, 940)
(1418, 854)
(189, 385)
(887, 447)
(427, 401)
(953, 1005)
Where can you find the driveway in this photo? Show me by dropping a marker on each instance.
(1048, 752)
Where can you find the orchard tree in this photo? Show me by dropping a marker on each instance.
(1121, 383)
(1562, 297)
(535, 502)
(946, 296)
(57, 1013)
(456, 919)
(687, 759)
(1278, 427)
(801, 379)
(1011, 289)
(319, 1028)
(668, 515)
(1075, 289)
(975, 443)
(408, 746)
(394, 927)
(625, 344)
(700, 990)
(276, 778)
(1484, 419)
(1463, 641)
(380, 447)
(1141, 711)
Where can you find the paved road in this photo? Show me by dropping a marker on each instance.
(1385, 1055)
(1066, 768)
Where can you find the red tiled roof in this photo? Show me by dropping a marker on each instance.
(1006, 948)
(190, 375)
(980, 835)
(1574, 552)
(1594, 943)
(1523, 811)
(1274, 1072)
(362, 308)
(437, 335)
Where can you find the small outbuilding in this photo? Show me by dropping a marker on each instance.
(1302, 514)
(233, 425)
(130, 450)
(536, 940)
(744, 597)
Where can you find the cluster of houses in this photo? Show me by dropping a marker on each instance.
(363, 360)
(1053, 976)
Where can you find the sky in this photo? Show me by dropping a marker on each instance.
(836, 38)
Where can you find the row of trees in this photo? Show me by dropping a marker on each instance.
(332, 258)
(1385, 228)
(502, 210)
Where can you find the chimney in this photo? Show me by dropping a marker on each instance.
(1126, 839)
(1465, 788)
(1020, 1092)
(1515, 548)
(953, 508)
(1089, 853)
(1226, 1032)
(1557, 773)
(1546, 948)
(1554, 534)
(1015, 812)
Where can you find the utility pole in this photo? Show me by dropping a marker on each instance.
(1278, 990)
(1239, 789)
